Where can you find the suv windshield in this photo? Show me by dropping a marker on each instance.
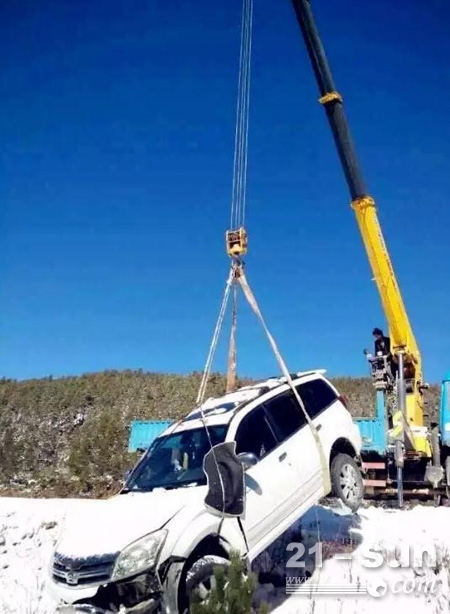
(175, 460)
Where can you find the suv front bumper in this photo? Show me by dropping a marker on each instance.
(147, 607)
(159, 595)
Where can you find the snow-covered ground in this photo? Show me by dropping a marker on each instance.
(349, 543)
(30, 527)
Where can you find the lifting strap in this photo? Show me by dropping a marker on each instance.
(215, 339)
(236, 240)
(231, 371)
(237, 246)
(254, 305)
(237, 276)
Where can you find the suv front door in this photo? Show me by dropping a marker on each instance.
(269, 483)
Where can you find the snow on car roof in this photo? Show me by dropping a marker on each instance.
(220, 410)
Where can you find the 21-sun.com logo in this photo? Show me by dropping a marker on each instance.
(379, 587)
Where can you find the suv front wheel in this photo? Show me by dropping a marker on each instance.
(200, 580)
(347, 482)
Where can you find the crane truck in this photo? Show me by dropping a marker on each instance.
(402, 455)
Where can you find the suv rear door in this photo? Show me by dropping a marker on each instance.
(325, 410)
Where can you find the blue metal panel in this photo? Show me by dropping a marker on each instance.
(373, 433)
(444, 415)
(144, 432)
(373, 430)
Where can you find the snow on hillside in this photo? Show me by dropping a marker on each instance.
(29, 528)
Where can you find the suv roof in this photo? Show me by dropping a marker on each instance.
(220, 410)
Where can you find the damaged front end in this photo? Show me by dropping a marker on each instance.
(139, 595)
(145, 576)
(127, 582)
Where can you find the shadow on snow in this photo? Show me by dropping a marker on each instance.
(320, 534)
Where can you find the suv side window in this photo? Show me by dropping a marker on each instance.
(254, 434)
(285, 414)
(317, 396)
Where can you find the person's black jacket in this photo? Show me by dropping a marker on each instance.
(383, 345)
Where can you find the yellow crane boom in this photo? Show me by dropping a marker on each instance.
(410, 411)
(400, 330)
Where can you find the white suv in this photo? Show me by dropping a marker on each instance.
(147, 548)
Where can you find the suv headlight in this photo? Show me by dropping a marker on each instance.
(139, 556)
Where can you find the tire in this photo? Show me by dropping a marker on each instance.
(346, 481)
(200, 578)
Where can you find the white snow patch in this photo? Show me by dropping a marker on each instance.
(29, 530)
(398, 534)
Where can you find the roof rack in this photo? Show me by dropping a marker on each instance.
(298, 374)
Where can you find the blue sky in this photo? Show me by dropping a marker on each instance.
(117, 134)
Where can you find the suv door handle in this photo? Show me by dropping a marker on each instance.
(318, 427)
(282, 457)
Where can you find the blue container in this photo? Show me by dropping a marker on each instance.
(373, 434)
(373, 430)
(444, 417)
(144, 432)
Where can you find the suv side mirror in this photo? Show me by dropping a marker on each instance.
(225, 477)
(248, 459)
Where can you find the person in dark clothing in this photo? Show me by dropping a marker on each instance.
(383, 345)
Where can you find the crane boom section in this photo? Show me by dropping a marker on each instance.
(399, 326)
(402, 336)
(400, 330)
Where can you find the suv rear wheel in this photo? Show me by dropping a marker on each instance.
(347, 481)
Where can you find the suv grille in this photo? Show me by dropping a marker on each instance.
(78, 572)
